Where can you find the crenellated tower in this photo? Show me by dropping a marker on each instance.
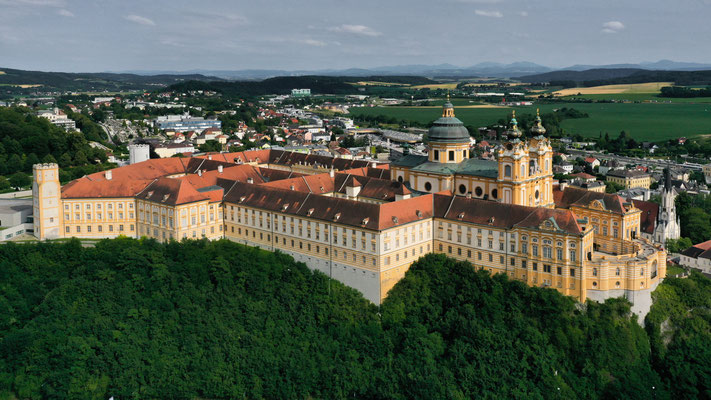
(46, 201)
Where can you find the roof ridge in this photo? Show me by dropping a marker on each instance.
(303, 203)
(343, 184)
(450, 205)
(307, 183)
(147, 186)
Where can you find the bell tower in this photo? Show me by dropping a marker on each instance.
(512, 158)
(46, 201)
(541, 165)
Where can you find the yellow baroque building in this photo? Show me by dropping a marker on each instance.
(365, 224)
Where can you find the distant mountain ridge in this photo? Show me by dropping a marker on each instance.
(483, 69)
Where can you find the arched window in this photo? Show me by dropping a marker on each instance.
(462, 188)
(428, 186)
(507, 171)
(399, 179)
(594, 271)
(478, 191)
(617, 272)
(495, 194)
(523, 171)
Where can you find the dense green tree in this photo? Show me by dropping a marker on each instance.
(20, 180)
(200, 319)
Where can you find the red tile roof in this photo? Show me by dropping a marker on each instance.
(500, 215)
(648, 219)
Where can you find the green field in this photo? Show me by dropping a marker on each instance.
(643, 121)
(650, 97)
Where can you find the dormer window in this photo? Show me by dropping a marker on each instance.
(241, 199)
(395, 220)
(365, 221)
(460, 216)
(337, 216)
(284, 207)
(311, 211)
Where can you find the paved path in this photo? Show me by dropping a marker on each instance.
(12, 195)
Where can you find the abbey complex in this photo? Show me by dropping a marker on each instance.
(365, 223)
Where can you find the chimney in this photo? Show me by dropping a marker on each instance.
(219, 168)
(331, 173)
(209, 157)
(199, 172)
(373, 165)
(108, 175)
(250, 180)
(563, 185)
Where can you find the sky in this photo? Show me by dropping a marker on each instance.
(180, 35)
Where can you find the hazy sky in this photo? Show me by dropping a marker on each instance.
(104, 35)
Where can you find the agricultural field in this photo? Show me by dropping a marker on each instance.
(649, 87)
(450, 86)
(642, 121)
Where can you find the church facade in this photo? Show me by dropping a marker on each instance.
(522, 174)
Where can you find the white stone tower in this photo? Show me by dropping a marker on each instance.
(668, 226)
(138, 153)
(46, 201)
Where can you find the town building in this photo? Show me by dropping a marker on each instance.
(364, 223)
(185, 123)
(629, 178)
(300, 92)
(59, 118)
(698, 256)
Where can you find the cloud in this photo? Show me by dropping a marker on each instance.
(37, 3)
(140, 20)
(612, 27)
(480, 1)
(523, 13)
(490, 14)
(65, 13)
(361, 30)
(313, 42)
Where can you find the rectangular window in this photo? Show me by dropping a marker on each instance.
(546, 268)
(100, 228)
(535, 266)
(559, 253)
(559, 270)
(523, 264)
(572, 272)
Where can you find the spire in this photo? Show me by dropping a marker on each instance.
(667, 180)
(537, 128)
(513, 132)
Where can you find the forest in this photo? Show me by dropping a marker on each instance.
(197, 319)
(26, 140)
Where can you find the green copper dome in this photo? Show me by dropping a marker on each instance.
(448, 128)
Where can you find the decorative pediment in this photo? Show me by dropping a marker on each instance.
(597, 205)
(549, 225)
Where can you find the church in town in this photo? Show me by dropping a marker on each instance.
(364, 223)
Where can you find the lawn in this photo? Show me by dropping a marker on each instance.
(643, 121)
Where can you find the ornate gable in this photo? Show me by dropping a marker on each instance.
(549, 224)
(597, 205)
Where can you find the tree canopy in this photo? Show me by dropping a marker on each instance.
(199, 319)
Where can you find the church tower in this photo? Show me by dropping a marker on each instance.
(512, 158)
(667, 220)
(448, 138)
(46, 201)
(525, 167)
(541, 165)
